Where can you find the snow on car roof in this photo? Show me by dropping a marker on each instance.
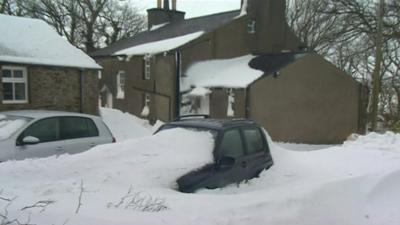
(32, 41)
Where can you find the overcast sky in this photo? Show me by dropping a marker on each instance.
(194, 8)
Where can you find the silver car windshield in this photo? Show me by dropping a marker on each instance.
(9, 125)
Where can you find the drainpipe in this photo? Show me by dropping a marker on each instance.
(81, 90)
(178, 60)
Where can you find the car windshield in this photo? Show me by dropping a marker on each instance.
(11, 124)
(214, 133)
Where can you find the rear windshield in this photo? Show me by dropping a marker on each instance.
(214, 133)
(11, 124)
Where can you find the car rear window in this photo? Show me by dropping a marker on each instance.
(77, 127)
(254, 140)
(9, 125)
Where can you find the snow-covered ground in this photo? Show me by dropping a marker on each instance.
(132, 182)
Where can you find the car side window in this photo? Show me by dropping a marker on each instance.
(231, 144)
(45, 130)
(254, 140)
(77, 127)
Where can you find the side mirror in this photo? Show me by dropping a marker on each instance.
(226, 162)
(29, 140)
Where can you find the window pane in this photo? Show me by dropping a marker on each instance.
(254, 140)
(75, 127)
(232, 144)
(46, 130)
(18, 74)
(6, 73)
(20, 91)
(8, 91)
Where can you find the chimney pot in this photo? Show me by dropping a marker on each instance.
(173, 4)
(166, 4)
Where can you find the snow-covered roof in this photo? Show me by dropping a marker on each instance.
(32, 41)
(160, 46)
(228, 73)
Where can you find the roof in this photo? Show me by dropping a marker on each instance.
(32, 41)
(204, 24)
(214, 124)
(38, 114)
(271, 63)
(237, 72)
(228, 73)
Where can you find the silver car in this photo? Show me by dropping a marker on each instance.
(34, 133)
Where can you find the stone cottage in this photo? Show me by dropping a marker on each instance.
(245, 63)
(40, 70)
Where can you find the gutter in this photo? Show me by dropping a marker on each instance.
(178, 61)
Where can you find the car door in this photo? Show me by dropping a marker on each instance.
(79, 134)
(257, 152)
(231, 148)
(48, 133)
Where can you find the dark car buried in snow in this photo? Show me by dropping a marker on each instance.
(241, 152)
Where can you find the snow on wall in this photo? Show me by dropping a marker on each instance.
(160, 46)
(32, 41)
(228, 73)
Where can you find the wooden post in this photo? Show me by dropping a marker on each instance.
(159, 4)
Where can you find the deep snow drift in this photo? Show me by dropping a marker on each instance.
(132, 182)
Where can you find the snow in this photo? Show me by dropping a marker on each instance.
(134, 180)
(155, 27)
(32, 41)
(199, 92)
(8, 127)
(243, 10)
(125, 126)
(228, 73)
(156, 47)
(145, 111)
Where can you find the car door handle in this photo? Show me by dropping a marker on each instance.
(59, 149)
(244, 164)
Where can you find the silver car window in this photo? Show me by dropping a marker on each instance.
(9, 125)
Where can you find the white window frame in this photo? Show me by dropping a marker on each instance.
(147, 67)
(15, 80)
(121, 81)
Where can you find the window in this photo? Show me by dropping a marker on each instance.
(45, 130)
(147, 65)
(146, 105)
(121, 84)
(231, 144)
(251, 27)
(15, 84)
(77, 127)
(254, 140)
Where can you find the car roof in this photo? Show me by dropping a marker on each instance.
(38, 114)
(215, 124)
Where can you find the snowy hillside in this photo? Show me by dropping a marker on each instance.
(133, 181)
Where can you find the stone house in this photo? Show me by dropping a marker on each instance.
(40, 70)
(245, 63)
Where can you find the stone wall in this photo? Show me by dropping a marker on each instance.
(57, 88)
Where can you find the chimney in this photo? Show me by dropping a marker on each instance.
(162, 15)
(174, 5)
(267, 25)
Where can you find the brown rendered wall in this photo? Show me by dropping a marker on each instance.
(57, 88)
(310, 101)
(160, 87)
(219, 103)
